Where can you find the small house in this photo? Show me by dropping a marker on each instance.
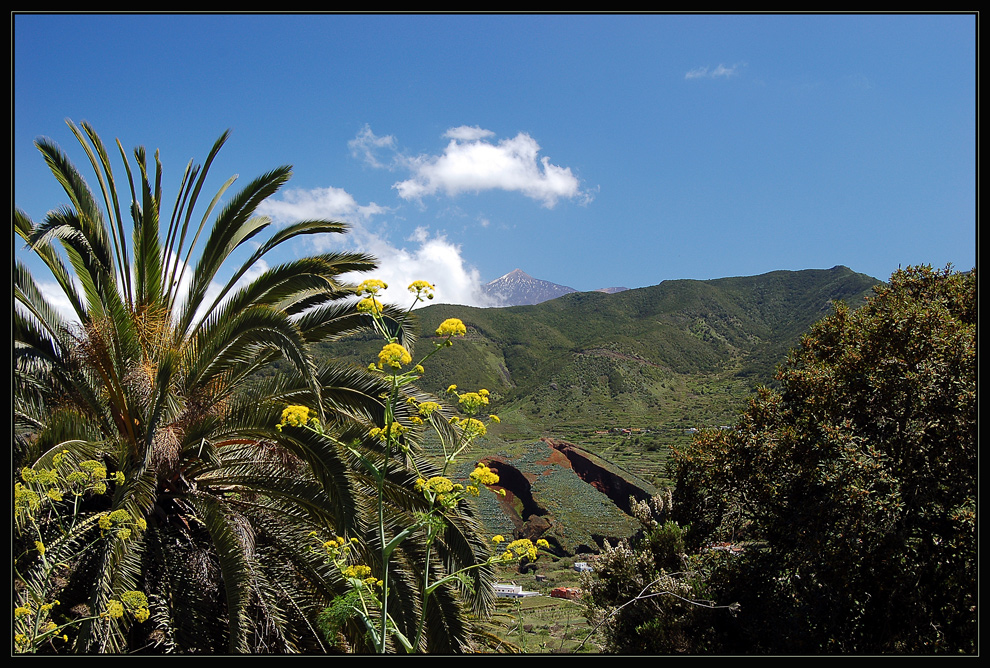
(506, 590)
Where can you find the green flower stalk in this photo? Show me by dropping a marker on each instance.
(54, 492)
(369, 595)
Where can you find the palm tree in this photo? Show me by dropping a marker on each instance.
(210, 509)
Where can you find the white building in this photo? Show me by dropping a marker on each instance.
(505, 590)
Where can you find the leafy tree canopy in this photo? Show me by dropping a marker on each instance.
(852, 489)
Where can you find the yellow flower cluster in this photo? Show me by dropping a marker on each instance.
(451, 327)
(115, 609)
(134, 602)
(337, 548)
(369, 305)
(482, 475)
(338, 553)
(428, 408)
(137, 603)
(122, 520)
(444, 491)
(26, 500)
(372, 286)
(472, 402)
(470, 427)
(393, 430)
(294, 416)
(358, 571)
(436, 484)
(422, 289)
(33, 626)
(393, 355)
(55, 482)
(522, 547)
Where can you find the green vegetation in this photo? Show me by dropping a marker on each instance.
(850, 494)
(204, 472)
(627, 375)
(543, 624)
(159, 507)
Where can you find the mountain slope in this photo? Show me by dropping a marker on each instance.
(663, 353)
(619, 376)
(517, 288)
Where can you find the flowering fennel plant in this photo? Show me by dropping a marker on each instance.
(367, 598)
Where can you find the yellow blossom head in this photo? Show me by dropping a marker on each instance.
(114, 609)
(422, 289)
(372, 286)
(472, 402)
(483, 475)
(134, 599)
(294, 416)
(451, 327)
(472, 428)
(358, 571)
(369, 305)
(428, 408)
(393, 355)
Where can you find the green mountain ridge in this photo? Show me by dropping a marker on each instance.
(611, 345)
(624, 376)
(682, 353)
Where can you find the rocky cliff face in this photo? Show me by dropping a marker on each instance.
(616, 487)
(566, 495)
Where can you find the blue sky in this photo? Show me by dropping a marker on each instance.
(588, 150)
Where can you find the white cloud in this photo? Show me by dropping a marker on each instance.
(55, 296)
(367, 144)
(430, 257)
(468, 133)
(472, 162)
(323, 203)
(720, 71)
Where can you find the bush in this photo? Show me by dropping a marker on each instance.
(857, 479)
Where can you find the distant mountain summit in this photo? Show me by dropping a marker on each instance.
(517, 288)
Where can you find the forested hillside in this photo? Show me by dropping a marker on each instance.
(679, 354)
(615, 380)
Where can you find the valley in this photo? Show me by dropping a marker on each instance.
(593, 389)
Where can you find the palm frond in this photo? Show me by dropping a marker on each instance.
(232, 539)
(164, 389)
